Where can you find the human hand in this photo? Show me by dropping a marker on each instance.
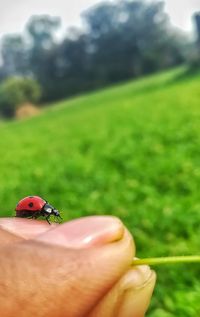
(80, 268)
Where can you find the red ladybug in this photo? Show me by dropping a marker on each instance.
(35, 207)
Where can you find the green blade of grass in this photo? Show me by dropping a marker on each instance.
(167, 260)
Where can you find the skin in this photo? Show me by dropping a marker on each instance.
(80, 268)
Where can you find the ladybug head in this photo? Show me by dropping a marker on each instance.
(49, 209)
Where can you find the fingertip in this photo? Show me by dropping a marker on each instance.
(130, 296)
(136, 298)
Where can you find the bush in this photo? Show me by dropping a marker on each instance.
(16, 91)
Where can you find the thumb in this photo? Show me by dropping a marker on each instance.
(130, 296)
(67, 270)
(104, 252)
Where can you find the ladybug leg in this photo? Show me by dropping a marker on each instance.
(47, 219)
(36, 215)
(30, 217)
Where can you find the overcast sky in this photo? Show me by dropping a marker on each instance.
(15, 13)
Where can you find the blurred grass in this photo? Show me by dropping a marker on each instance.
(132, 151)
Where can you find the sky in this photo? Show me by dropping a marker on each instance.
(15, 13)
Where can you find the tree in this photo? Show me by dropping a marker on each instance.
(121, 40)
(14, 53)
(41, 31)
(130, 38)
(69, 68)
(197, 20)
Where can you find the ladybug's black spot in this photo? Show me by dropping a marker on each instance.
(30, 196)
(30, 204)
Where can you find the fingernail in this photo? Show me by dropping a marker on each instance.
(85, 232)
(137, 291)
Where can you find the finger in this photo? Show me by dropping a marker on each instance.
(65, 281)
(25, 228)
(130, 297)
(7, 238)
(136, 302)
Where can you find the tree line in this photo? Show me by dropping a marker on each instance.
(118, 41)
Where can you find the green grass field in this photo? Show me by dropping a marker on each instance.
(132, 151)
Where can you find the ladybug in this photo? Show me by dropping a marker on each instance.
(35, 207)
